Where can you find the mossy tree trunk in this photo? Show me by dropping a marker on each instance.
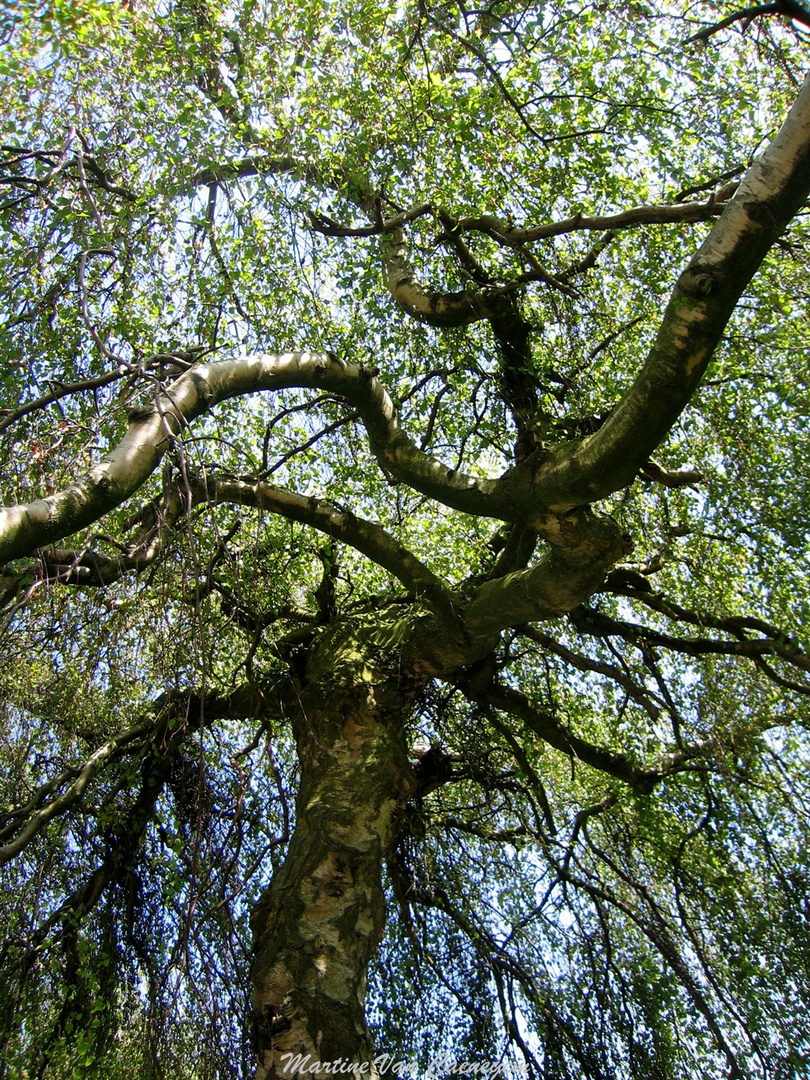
(321, 920)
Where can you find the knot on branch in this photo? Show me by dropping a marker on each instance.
(434, 767)
(699, 284)
(140, 413)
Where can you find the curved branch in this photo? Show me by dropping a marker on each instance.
(567, 476)
(657, 929)
(93, 570)
(452, 236)
(664, 214)
(124, 843)
(369, 539)
(732, 624)
(153, 428)
(335, 179)
(327, 227)
(429, 305)
(633, 690)
(671, 478)
(575, 567)
(11, 416)
(790, 9)
(593, 622)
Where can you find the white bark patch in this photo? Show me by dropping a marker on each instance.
(778, 163)
(766, 179)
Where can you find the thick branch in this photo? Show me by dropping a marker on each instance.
(575, 567)
(665, 214)
(561, 581)
(671, 478)
(93, 570)
(152, 429)
(430, 305)
(574, 474)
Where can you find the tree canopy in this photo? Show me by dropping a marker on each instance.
(405, 539)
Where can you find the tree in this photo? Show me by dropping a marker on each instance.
(405, 539)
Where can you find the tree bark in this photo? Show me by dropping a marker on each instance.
(322, 917)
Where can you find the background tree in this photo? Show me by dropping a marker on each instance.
(377, 537)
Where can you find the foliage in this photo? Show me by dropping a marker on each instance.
(188, 181)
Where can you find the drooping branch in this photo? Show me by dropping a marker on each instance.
(332, 179)
(151, 734)
(502, 964)
(327, 227)
(92, 569)
(642, 908)
(500, 230)
(59, 391)
(33, 819)
(55, 163)
(556, 734)
(126, 837)
(736, 625)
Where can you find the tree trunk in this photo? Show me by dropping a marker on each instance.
(322, 917)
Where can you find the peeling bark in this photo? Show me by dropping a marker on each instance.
(321, 920)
